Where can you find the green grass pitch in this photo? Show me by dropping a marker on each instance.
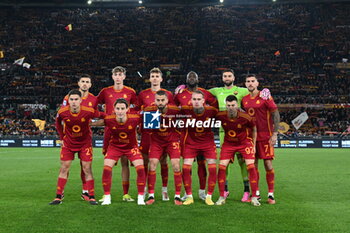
(312, 194)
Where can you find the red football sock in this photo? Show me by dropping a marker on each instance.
(82, 175)
(151, 181)
(107, 179)
(177, 182)
(140, 179)
(60, 185)
(202, 174)
(91, 187)
(270, 179)
(222, 179)
(165, 174)
(211, 178)
(126, 185)
(252, 178)
(187, 179)
(146, 170)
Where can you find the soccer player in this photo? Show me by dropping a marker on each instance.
(199, 140)
(237, 126)
(88, 100)
(122, 126)
(76, 137)
(183, 98)
(267, 120)
(108, 96)
(221, 93)
(146, 98)
(164, 140)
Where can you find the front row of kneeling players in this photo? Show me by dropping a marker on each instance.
(76, 136)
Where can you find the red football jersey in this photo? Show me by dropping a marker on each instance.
(88, 101)
(109, 95)
(237, 130)
(198, 137)
(261, 110)
(183, 98)
(165, 134)
(147, 97)
(123, 135)
(75, 131)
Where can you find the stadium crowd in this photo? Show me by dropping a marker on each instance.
(297, 51)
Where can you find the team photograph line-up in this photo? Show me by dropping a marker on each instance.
(247, 118)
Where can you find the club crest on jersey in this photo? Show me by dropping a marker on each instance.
(110, 96)
(239, 126)
(83, 119)
(125, 96)
(129, 127)
(258, 102)
(90, 104)
(147, 97)
(235, 93)
(114, 127)
(151, 120)
(184, 97)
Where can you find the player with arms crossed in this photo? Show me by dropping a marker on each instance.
(165, 140)
(76, 137)
(88, 100)
(122, 126)
(237, 126)
(198, 140)
(267, 120)
(183, 98)
(146, 98)
(108, 96)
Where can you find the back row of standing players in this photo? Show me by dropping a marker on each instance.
(252, 133)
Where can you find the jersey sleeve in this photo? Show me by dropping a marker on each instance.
(211, 100)
(271, 105)
(59, 126)
(171, 98)
(213, 91)
(101, 97)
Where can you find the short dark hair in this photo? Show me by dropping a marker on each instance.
(198, 92)
(228, 70)
(250, 76)
(121, 101)
(231, 98)
(161, 92)
(84, 76)
(74, 92)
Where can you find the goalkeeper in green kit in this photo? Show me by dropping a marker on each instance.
(221, 93)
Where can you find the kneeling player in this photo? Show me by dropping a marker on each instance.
(123, 142)
(199, 140)
(76, 137)
(237, 126)
(164, 140)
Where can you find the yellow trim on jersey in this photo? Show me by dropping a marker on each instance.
(88, 109)
(65, 108)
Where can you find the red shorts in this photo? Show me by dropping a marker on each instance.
(171, 148)
(207, 152)
(115, 153)
(264, 150)
(228, 151)
(84, 154)
(145, 142)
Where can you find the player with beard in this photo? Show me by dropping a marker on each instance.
(88, 100)
(183, 98)
(146, 98)
(267, 120)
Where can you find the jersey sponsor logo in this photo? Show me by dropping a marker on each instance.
(76, 128)
(151, 120)
(123, 135)
(251, 111)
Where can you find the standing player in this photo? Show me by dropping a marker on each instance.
(146, 98)
(88, 100)
(221, 93)
(237, 126)
(108, 96)
(122, 126)
(183, 98)
(164, 140)
(267, 120)
(199, 140)
(76, 137)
